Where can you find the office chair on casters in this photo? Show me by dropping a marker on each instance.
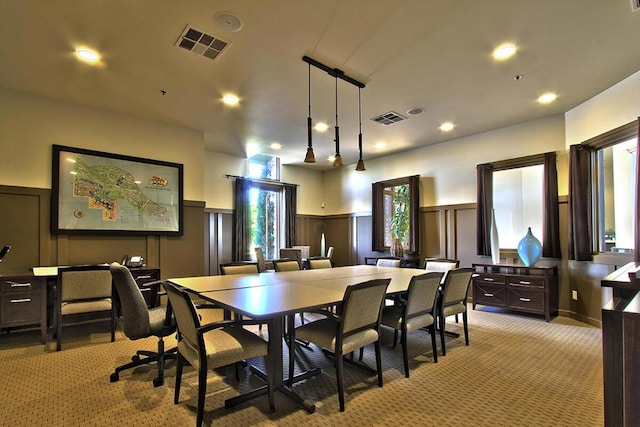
(142, 322)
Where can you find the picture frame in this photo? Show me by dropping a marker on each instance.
(95, 192)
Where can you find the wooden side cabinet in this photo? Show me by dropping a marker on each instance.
(143, 276)
(23, 302)
(517, 287)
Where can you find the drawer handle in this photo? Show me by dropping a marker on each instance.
(525, 299)
(145, 289)
(522, 282)
(19, 285)
(143, 277)
(21, 300)
(488, 295)
(488, 279)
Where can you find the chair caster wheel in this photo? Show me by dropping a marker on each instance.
(114, 377)
(157, 382)
(135, 358)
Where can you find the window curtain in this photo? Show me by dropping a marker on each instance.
(636, 216)
(414, 213)
(241, 220)
(551, 210)
(580, 204)
(290, 208)
(377, 216)
(484, 206)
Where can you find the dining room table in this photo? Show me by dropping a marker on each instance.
(271, 297)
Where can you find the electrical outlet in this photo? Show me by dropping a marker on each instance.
(574, 295)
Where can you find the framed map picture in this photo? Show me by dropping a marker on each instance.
(103, 193)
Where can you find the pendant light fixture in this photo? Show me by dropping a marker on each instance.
(310, 157)
(337, 160)
(360, 165)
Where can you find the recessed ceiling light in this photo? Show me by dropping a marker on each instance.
(230, 99)
(381, 144)
(504, 51)
(547, 98)
(276, 146)
(321, 127)
(87, 55)
(446, 126)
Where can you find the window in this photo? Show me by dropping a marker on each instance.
(265, 206)
(399, 197)
(615, 187)
(518, 201)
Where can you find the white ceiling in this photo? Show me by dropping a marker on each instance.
(434, 54)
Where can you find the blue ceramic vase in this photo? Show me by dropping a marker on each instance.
(529, 249)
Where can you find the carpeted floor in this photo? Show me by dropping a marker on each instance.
(518, 371)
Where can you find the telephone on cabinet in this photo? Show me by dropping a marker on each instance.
(133, 261)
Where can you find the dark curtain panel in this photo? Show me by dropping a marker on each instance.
(377, 216)
(580, 203)
(483, 208)
(241, 220)
(414, 213)
(291, 210)
(551, 211)
(636, 221)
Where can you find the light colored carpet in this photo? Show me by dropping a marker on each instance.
(518, 371)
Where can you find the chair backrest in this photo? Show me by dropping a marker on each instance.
(262, 265)
(188, 322)
(304, 250)
(441, 264)
(239, 268)
(456, 286)
(84, 283)
(362, 305)
(422, 293)
(291, 253)
(330, 252)
(316, 263)
(385, 262)
(135, 313)
(286, 265)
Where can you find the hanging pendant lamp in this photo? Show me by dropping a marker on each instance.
(310, 157)
(360, 165)
(337, 160)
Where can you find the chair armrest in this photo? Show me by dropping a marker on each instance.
(327, 313)
(222, 323)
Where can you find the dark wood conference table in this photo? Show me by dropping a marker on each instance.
(270, 297)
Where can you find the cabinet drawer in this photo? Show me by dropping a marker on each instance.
(526, 298)
(20, 308)
(487, 293)
(490, 278)
(534, 281)
(17, 284)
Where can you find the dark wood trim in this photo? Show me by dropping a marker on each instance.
(614, 136)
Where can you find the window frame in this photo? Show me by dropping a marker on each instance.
(377, 212)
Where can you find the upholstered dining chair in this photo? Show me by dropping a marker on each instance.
(286, 265)
(330, 252)
(358, 325)
(262, 263)
(417, 311)
(453, 300)
(388, 262)
(441, 264)
(239, 268)
(83, 290)
(142, 322)
(316, 263)
(292, 254)
(210, 346)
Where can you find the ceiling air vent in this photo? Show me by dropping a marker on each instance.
(389, 118)
(201, 43)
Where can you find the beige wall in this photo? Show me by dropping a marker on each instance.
(30, 125)
(448, 170)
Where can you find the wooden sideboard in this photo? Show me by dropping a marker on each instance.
(23, 302)
(517, 287)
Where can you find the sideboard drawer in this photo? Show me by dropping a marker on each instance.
(528, 299)
(490, 278)
(16, 284)
(487, 293)
(20, 308)
(537, 282)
